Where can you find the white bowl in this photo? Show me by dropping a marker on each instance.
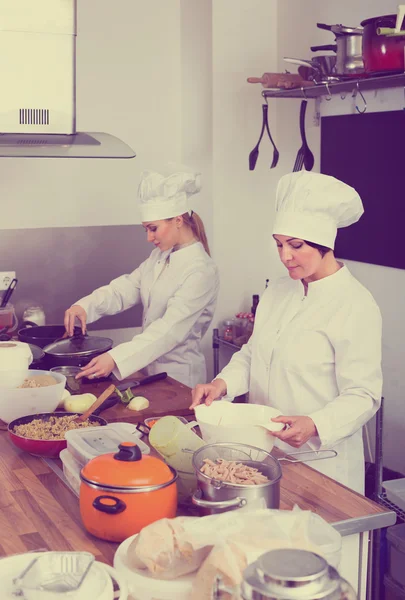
(240, 423)
(19, 402)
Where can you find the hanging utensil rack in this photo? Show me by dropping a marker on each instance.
(328, 89)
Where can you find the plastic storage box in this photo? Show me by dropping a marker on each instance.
(396, 554)
(395, 490)
(71, 470)
(89, 442)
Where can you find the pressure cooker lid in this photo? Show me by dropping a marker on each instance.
(290, 574)
(79, 345)
(128, 468)
(346, 30)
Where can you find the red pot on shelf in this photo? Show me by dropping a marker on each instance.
(382, 53)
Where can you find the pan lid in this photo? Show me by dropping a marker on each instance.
(290, 574)
(128, 468)
(79, 345)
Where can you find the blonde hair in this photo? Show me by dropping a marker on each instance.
(194, 222)
(196, 225)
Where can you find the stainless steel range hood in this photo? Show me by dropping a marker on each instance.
(38, 75)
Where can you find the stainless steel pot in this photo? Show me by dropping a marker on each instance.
(214, 496)
(348, 48)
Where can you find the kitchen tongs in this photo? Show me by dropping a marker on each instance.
(253, 156)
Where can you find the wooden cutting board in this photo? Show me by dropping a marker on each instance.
(166, 397)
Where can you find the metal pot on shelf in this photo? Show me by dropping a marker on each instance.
(322, 68)
(215, 496)
(348, 48)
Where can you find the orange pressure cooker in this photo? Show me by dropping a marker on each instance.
(122, 493)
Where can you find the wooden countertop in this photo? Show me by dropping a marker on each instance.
(38, 511)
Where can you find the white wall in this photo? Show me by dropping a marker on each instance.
(244, 44)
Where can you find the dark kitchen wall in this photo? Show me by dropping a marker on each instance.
(367, 152)
(57, 266)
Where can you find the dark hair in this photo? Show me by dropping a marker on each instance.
(322, 249)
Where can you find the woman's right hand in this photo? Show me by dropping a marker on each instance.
(73, 313)
(208, 392)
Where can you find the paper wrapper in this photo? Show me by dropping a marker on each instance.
(221, 546)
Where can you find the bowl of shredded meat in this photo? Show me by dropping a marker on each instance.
(232, 476)
(43, 434)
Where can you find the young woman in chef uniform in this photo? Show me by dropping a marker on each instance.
(315, 352)
(177, 285)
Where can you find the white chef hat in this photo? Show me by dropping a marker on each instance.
(162, 195)
(312, 206)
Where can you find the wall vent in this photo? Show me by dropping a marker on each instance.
(34, 116)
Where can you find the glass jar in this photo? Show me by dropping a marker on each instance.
(227, 330)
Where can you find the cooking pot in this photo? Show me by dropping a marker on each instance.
(41, 335)
(382, 53)
(216, 496)
(77, 350)
(122, 493)
(348, 48)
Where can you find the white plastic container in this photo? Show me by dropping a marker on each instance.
(86, 444)
(395, 490)
(29, 401)
(241, 423)
(15, 359)
(175, 441)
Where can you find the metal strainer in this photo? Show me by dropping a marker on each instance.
(53, 574)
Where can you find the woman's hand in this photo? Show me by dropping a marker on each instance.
(73, 313)
(208, 392)
(101, 366)
(300, 430)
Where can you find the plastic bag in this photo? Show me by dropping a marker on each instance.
(170, 548)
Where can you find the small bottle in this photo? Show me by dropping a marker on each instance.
(227, 331)
(255, 304)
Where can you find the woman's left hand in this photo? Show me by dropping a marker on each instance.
(300, 430)
(101, 366)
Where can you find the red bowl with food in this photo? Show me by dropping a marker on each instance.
(39, 434)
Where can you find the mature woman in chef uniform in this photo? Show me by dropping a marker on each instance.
(315, 352)
(177, 285)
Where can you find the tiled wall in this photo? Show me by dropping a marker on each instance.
(57, 266)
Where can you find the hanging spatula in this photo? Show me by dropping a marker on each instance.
(304, 158)
(253, 156)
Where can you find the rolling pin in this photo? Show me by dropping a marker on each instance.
(280, 80)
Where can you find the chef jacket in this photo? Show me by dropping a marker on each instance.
(178, 291)
(317, 355)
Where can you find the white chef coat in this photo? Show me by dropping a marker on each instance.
(178, 291)
(317, 355)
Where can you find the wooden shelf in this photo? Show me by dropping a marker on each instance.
(323, 89)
